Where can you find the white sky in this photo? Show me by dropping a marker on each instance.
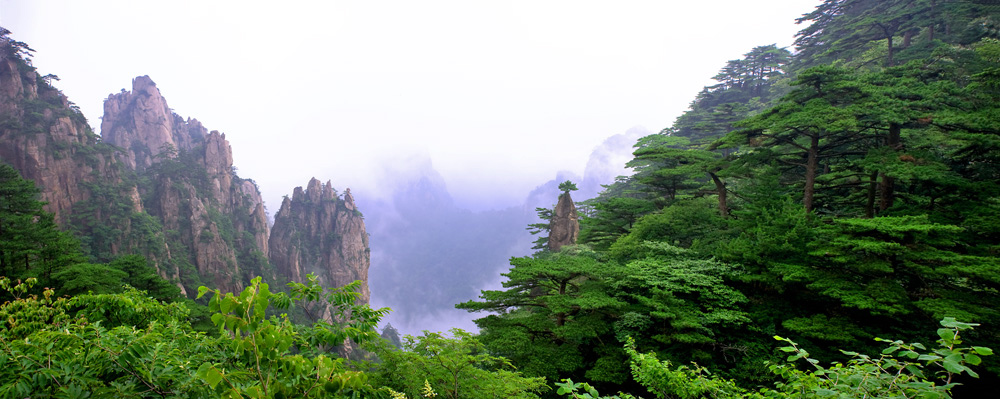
(500, 94)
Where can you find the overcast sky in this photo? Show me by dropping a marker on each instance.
(500, 94)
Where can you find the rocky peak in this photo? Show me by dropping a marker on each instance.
(48, 141)
(317, 232)
(140, 122)
(217, 158)
(212, 213)
(349, 200)
(564, 228)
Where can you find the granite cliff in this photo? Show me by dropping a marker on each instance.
(165, 187)
(215, 221)
(321, 232)
(45, 138)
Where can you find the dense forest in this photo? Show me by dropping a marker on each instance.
(823, 222)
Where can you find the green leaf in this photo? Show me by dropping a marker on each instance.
(973, 359)
(982, 350)
(227, 304)
(929, 358)
(209, 374)
(916, 371)
(952, 366)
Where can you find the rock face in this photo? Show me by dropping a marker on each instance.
(316, 231)
(48, 141)
(564, 228)
(165, 187)
(140, 122)
(216, 220)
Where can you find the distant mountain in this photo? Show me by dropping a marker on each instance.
(428, 253)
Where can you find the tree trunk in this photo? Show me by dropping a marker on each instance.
(930, 27)
(720, 190)
(888, 61)
(887, 185)
(812, 161)
(872, 189)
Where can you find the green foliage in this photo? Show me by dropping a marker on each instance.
(10, 48)
(142, 276)
(612, 218)
(88, 277)
(29, 313)
(854, 199)
(693, 224)
(545, 215)
(685, 297)
(846, 30)
(567, 186)
(130, 345)
(455, 367)
(902, 370)
(30, 243)
(552, 314)
(59, 347)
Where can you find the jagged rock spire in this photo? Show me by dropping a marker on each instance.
(564, 228)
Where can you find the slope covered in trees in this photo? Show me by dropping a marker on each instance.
(840, 194)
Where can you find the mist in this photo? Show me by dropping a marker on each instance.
(430, 252)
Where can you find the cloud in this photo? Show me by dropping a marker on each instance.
(430, 252)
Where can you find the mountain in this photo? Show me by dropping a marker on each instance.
(214, 221)
(164, 186)
(318, 231)
(429, 253)
(606, 162)
(49, 141)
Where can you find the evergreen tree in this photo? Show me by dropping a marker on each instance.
(552, 315)
(30, 243)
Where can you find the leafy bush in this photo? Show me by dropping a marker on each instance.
(902, 370)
